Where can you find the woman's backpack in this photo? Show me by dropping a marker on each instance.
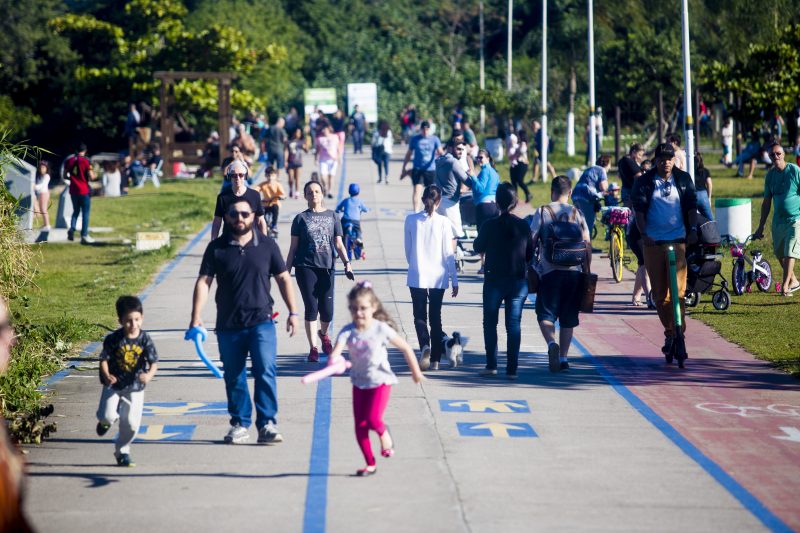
(562, 239)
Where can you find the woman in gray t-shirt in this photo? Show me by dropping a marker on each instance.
(316, 239)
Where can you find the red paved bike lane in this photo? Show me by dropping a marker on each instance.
(735, 415)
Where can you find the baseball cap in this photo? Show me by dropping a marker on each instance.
(664, 151)
(425, 124)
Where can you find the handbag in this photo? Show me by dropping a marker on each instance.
(588, 289)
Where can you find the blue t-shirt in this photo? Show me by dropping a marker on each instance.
(351, 208)
(586, 189)
(424, 149)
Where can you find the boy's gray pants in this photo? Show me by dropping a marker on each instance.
(125, 405)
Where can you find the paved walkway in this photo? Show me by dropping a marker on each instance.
(619, 443)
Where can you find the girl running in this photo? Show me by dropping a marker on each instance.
(366, 339)
(315, 233)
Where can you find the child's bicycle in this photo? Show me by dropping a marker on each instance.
(353, 243)
(616, 220)
(760, 272)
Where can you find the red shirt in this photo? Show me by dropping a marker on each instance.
(78, 168)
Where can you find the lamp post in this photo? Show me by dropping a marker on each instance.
(592, 124)
(545, 139)
(482, 77)
(687, 90)
(510, 24)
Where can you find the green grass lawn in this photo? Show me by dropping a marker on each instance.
(85, 281)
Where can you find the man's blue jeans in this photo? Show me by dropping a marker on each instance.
(81, 204)
(587, 209)
(704, 205)
(513, 293)
(234, 345)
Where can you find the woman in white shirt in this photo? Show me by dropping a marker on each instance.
(430, 246)
(42, 191)
(112, 179)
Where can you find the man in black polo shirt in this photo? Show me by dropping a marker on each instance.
(243, 260)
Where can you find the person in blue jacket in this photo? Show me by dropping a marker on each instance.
(351, 209)
(484, 189)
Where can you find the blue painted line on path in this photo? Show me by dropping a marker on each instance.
(162, 275)
(745, 497)
(316, 505)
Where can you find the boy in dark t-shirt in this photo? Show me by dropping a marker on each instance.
(127, 364)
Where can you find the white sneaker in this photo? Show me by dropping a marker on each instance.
(87, 240)
(237, 435)
(434, 365)
(269, 433)
(488, 372)
(425, 358)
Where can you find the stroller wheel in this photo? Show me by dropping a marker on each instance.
(691, 299)
(721, 300)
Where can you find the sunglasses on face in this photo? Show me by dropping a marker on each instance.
(239, 214)
(775, 154)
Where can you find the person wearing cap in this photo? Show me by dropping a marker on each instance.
(782, 186)
(351, 209)
(665, 203)
(424, 147)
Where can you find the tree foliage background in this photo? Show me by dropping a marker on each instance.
(68, 68)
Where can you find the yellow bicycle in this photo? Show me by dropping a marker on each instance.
(616, 221)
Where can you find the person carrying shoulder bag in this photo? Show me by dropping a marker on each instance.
(564, 259)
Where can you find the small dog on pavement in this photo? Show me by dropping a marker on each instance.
(454, 348)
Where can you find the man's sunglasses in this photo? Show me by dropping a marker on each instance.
(775, 154)
(237, 175)
(239, 214)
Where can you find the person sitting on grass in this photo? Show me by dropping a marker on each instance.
(127, 364)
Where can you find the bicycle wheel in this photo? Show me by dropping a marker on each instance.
(738, 277)
(615, 255)
(764, 279)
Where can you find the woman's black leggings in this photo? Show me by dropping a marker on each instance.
(316, 288)
(518, 172)
(427, 303)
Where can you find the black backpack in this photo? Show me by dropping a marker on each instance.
(562, 239)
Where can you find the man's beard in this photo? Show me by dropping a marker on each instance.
(242, 229)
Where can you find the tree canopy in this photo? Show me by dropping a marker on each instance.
(68, 68)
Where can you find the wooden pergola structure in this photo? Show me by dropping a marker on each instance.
(171, 150)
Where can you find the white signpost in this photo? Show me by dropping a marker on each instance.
(365, 96)
(324, 99)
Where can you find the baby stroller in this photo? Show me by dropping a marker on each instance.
(704, 265)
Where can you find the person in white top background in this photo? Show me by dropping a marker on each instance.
(42, 191)
(430, 252)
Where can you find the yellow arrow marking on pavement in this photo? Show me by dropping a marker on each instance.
(481, 406)
(156, 432)
(160, 410)
(500, 429)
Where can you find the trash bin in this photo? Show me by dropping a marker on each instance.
(734, 217)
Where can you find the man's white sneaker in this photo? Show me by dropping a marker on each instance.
(269, 433)
(237, 435)
(87, 240)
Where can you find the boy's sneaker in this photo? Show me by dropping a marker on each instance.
(269, 433)
(425, 358)
(564, 366)
(124, 459)
(102, 428)
(313, 355)
(553, 351)
(327, 347)
(237, 435)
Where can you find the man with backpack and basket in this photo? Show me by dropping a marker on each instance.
(566, 285)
